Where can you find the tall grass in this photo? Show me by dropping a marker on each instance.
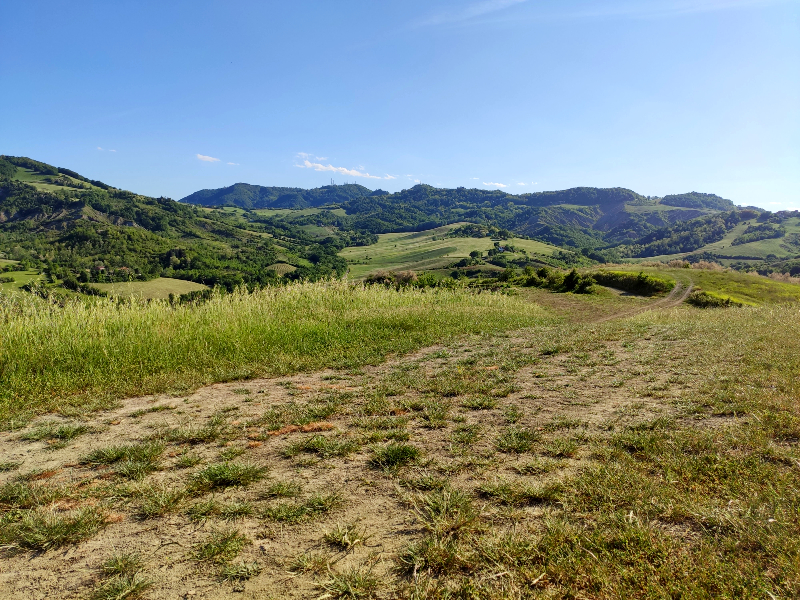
(85, 355)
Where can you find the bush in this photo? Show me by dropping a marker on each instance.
(703, 299)
(632, 282)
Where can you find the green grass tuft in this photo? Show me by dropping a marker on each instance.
(225, 475)
(393, 456)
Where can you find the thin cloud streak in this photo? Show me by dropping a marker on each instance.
(502, 185)
(472, 11)
(205, 158)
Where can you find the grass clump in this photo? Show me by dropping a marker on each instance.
(394, 455)
(314, 506)
(221, 546)
(45, 530)
(323, 446)
(466, 435)
(55, 434)
(134, 461)
(445, 512)
(517, 440)
(517, 494)
(187, 460)
(310, 563)
(225, 475)
(25, 495)
(240, 572)
(345, 536)
(124, 563)
(9, 466)
(158, 501)
(353, 583)
(230, 453)
(127, 587)
(480, 403)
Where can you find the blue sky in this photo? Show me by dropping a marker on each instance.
(168, 97)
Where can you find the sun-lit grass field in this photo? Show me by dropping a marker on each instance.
(424, 250)
(161, 288)
(20, 279)
(86, 354)
(646, 456)
(745, 288)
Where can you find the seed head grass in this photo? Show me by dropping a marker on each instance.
(52, 354)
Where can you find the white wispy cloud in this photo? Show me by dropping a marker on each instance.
(311, 156)
(475, 178)
(522, 183)
(495, 184)
(235, 164)
(471, 11)
(105, 149)
(359, 172)
(205, 158)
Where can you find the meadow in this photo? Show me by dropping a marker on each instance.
(20, 279)
(424, 250)
(160, 287)
(370, 443)
(86, 354)
(523, 455)
(745, 288)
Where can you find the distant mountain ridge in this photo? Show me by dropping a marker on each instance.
(582, 216)
(247, 196)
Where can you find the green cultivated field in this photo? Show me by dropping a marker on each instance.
(160, 287)
(420, 251)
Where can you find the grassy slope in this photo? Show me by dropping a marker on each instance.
(20, 279)
(37, 180)
(418, 251)
(741, 287)
(759, 249)
(85, 354)
(160, 287)
(653, 457)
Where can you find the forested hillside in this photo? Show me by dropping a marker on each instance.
(83, 231)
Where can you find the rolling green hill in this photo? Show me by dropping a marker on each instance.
(80, 232)
(67, 230)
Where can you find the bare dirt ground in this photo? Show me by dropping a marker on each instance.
(455, 403)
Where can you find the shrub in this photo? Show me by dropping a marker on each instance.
(703, 299)
(631, 282)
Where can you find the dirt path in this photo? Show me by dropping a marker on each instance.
(452, 402)
(675, 298)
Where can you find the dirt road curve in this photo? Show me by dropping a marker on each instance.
(675, 298)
